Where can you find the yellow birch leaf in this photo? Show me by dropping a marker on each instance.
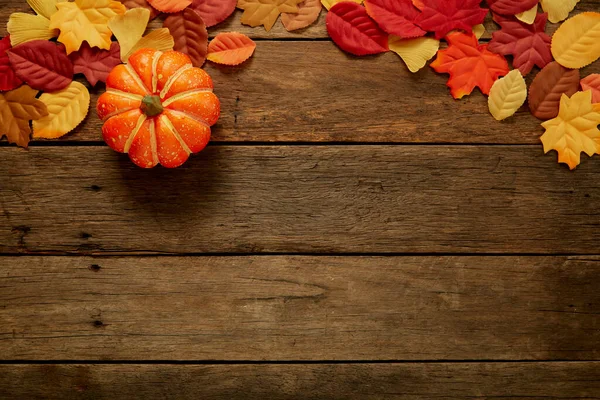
(576, 43)
(330, 3)
(479, 30)
(85, 20)
(575, 130)
(25, 27)
(558, 10)
(265, 12)
(414, 52)
(45, 8)
(67, 108)
(17, 108)
(528, 16)
(507, 95)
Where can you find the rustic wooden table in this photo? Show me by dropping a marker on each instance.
(352, 232)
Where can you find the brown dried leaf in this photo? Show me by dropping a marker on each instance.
(308, 12)
(190, 35)
(17, 108)
(547, 88)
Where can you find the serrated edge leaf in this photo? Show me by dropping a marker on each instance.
(231, 44)
(507, 95)
(576, 43)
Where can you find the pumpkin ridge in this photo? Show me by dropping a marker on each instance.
(136, 130)
(118, 112)
(153, 143)
(176, 134)
(190, 116)
(155, 61)
(173, 78)
(136, 77)
(127, 95)
(185, 94)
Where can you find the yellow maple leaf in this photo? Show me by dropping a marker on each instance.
(24, 27)
(129, 28)
(507, 95)
(85, 20)
(577, 42)
(330, 3)
(67, 108)
(17, 108)
(575, 130)
(414, 52)
(265, 12)
(558, 10)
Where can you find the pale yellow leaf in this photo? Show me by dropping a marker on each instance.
(67, 108)
(265, 12)
(414, 52)
(45, 8)
(576, 43)
(528, 16)
(129, 28)
(25, 27)
(558, 10)
(85, 20)
(507, 95)
(575, 130)
(479, 30)
(159, 39)
(330, 3)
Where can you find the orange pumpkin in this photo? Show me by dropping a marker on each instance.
(158, 108)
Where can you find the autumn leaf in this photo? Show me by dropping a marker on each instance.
(130, 4)
(528, 44)
(576, 43)
(129, 28)
(25, 27)
(95, 63)
(445, 16)
(548, 87)
(214, 12)
(507, 95)
(592, 82)
(511, 7)
(230, 48)
(396, 17)
(351, 28)
(308, 12)
(265, 12)
(170, 6)
(42, 65)
(8, 78)
(528, 17)
(575, 130)
(85, 20)
(469, 64)
(66, 110)
(330, 3)
(414, 52)
(558, 10)
(17, 108)
(190, 35)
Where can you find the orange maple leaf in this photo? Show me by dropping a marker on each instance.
(469, 64)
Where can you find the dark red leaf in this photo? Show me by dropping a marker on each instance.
(95, 63)
(351, 28)
(214, 11)
(548, 87)
(8, 78)
(445, 16)
(396, 17)
(529, 44)
(511, 7)
(41, 64)
(190, 35)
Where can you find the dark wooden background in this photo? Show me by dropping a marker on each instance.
(352, 232)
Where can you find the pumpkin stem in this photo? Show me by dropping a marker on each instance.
(151, 106)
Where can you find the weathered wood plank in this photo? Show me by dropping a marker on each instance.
(536, 381)
(300, 199)
(300, 308)
(312, 92)
(316, 31)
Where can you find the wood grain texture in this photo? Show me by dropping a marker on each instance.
(300, 199)
(300, 308)
(536, 381)
(317, 30)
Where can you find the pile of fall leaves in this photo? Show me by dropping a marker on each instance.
(413, 29)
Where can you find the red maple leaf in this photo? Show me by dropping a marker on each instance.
(8, 78)
(511, 7)
(396, 17)
(95, 63)
(528, 44)
(444, 16)
(469, 64)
